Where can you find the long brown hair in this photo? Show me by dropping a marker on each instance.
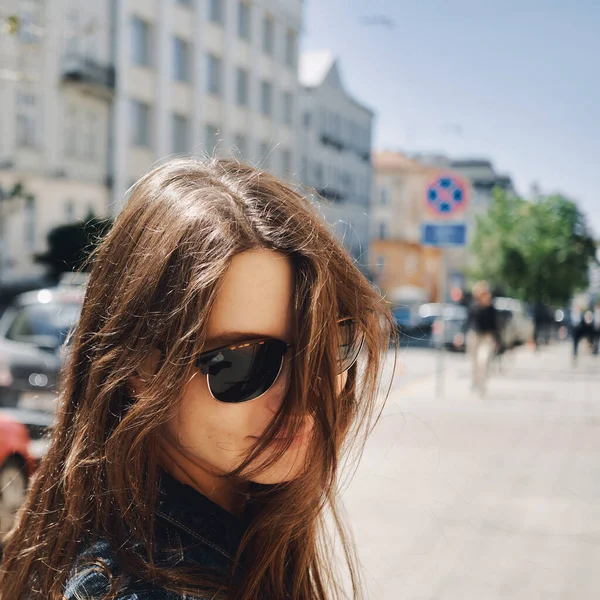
(154, 279)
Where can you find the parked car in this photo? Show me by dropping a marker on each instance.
(32, 331)
(516, 323)
(412, 327)
(450, 327)
(22, 444)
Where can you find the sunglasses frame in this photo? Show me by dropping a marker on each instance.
(202, 359)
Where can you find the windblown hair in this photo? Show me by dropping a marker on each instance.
(154, 279)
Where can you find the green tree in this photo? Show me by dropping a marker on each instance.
(70, 245)
(536, 251)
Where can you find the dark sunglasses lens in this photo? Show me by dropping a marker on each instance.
(247, 371)
(350, 346)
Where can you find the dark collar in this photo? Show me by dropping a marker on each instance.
(187, 509)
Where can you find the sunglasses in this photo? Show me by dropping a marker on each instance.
(248, 370)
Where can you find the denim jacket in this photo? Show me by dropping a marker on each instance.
(190, 530)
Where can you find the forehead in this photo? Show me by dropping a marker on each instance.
(256, 296)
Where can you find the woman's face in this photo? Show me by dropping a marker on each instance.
(256, 298)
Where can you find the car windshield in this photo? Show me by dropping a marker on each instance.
(51, 322)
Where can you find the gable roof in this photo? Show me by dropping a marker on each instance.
(314, 67)
(318, 66)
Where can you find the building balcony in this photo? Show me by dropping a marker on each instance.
(328, 140)
(331, 194)
(87, 73)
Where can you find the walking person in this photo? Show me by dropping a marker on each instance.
(483, 338)
(212, 383)
(596, 328)
(579, 328)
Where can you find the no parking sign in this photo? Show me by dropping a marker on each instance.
(446, 199)
(447, 196)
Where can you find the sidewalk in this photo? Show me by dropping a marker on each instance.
(468, 498)
(547, 375)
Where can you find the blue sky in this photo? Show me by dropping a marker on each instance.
(516, 81)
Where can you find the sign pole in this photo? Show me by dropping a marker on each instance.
(440, 379)
(446, 198)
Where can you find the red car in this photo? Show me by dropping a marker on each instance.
(19, 455)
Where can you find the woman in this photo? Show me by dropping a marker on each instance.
(212, 388)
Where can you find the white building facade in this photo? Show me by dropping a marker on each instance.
(334, 142)
(56, 89)
(204, 77)
(93, 94)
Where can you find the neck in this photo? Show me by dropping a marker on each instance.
(192, 472)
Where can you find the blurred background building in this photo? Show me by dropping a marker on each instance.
(405, 270)
(92, 94)
(335, 150)
(56, 90)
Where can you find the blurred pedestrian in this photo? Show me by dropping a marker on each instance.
(212, 386)
(596, 328)
(580, 327)
(483, 339)
(541, 322)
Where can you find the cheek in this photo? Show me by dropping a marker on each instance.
(208, 430)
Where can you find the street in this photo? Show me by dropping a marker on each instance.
(461, 497)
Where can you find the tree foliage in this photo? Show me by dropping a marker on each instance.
(539, 251)
(69, 245)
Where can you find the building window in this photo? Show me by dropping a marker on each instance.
(214, 75)
(215, 11)
(141, 33)
(30, 222)
(72, 30)
(322, 120)
(290, 48)
(288, 108)
(90, 136)
(241, 144)
(384, 196)
(383, 230)
(336, 126)
(346, 181)
(181, 56)
(306, 119)
(70, 148)
(286, 162)
(212, 139)
(180, 132)
(268, 34)
(266, 98)
(318, 167)
(241, 86)
(244, 20)
(265, 156)
(29, 22)
(27, 121)
(69, 211)
(140, 124)
(304, 168)
(186, 3)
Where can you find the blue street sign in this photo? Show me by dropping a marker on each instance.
(444, 235)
